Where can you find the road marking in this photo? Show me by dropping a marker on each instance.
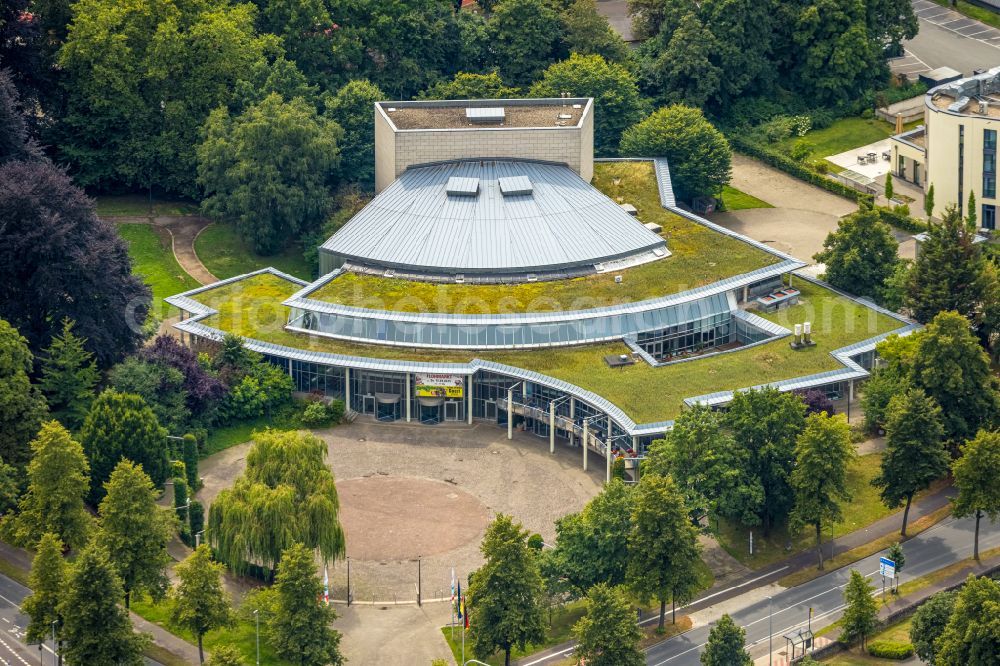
(4, 643)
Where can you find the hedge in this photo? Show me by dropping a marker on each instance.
(901, 220)
(793, 168)
(890, 650)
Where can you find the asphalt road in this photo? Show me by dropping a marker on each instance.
(14, 648)
(948, 39)
(948, 542)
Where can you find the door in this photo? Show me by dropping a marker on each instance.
(490, 410)
(451, 410)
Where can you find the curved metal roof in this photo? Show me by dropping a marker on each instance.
(415, 224)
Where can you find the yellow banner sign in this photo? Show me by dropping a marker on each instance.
(440, 386)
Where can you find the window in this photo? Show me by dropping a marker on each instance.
(989, 216)
(989, 186)
(989, 139)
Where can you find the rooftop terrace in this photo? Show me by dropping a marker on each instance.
(699, 256)
(452, 114)
(251, 308)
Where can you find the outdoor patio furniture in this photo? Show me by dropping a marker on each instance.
(862, 159)
(886, 155)
(872, 157)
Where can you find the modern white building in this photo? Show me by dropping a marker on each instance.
(955, 149)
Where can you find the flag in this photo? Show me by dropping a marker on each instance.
(326, 587)
(465, 612)
(460, 606)
(453, 585)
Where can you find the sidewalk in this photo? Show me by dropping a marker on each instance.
(718, 594)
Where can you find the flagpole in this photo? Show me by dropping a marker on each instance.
(453, 604)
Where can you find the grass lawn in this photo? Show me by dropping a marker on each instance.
(219, 439)
(225, 254)
(842, 135)
(976, 12)
(252, 308)
(242, 635)
(133, 205)
(899, 632)
(699, 256)
(153, 260)
(733, 199)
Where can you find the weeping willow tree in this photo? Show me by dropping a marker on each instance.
(286, 495)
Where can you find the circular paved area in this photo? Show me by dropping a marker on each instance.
(430, 491)
(402, 518)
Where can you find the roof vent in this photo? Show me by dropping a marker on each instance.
(460, 278)
(578, 106)
(462, 187)
(532, 277)
(514, 185)
(391, 109)
(487, 114)
(389, 274)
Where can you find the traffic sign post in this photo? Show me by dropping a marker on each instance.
(887, 568)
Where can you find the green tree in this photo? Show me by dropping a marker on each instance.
(929, 623)
(951, 273)
(663, 549)
(69, 375)
(589, 33)
(506, 592)
(951, 367)
(972, 635)
(929, 201)
(766, 424)
(832, 56)
(136, 531)
(725, 645)
(22, 407)
(977, 481)
(708, 467)
(617, 103)
(189, 454)
(823, 452)
(57, 486)
(121, 425)
(10, 487)
(300, 627)
(353, 108)
(699, 155)
(467, 85)
(896, 554)
(286, 475)
(96, 630)
(684, 71)
(200, 602)
(47, 583)
(861, 255)
(139, 84)
(743, 32)
(970, 212)
(914, 453)
(889, 22)
(525, 36)
(888, 191)
(607, 634)
(651, 18)
(591, 546)
(861, 612)
(269, 169)
(159, 385)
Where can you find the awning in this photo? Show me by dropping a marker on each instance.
(387, 398)
(430, 402)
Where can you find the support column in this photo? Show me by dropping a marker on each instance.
(635, 445)
(409, 401)
(572, 418)
(586, 438)
(746, 293)
(347, 388)
(552, 426)
(468, 406)
(607, 453)
(290, 369)
(850, 391)
(510, 413)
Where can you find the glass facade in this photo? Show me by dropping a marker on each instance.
(989, 164)
(393, 328)
(317, 378)
(698, 335)
(989, 220)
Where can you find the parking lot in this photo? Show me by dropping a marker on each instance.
(948, 39)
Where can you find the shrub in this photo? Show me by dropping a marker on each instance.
(800, 151)
(536, 542)
(890, 649)
(316, 414)
(899, 217)
(821, 166)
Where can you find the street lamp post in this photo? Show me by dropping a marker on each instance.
(54, 653)
(256, 617)
(197, 538)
